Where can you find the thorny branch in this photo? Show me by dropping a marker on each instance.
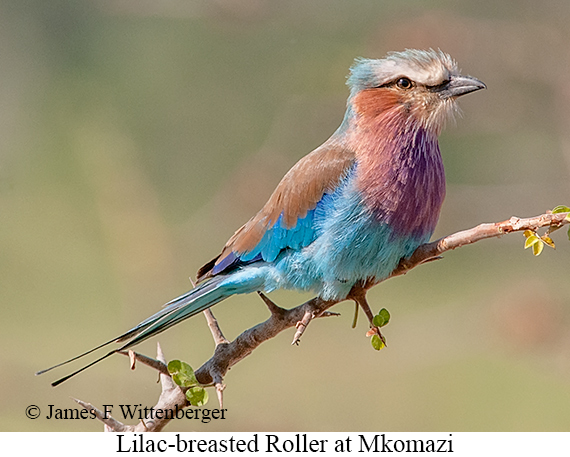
(171, 397)
(227, 354)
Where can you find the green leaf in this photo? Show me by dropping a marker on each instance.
(569, 234)
(537, 247)
(197, 396)
(531, 241)
(182, 373)
(386, 315)
(174, 366)
(561, 209)
(377, 342)
(382, 318)
(378, 321)
(528, 233)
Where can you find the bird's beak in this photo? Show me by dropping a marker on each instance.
(459, 85)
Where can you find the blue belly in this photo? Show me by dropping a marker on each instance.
(351, 244)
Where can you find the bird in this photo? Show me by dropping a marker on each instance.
(351, 209)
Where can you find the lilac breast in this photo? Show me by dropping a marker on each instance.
(402, 181)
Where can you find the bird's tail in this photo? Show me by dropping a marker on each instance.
(198, 299)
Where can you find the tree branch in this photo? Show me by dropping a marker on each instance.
(217, 334)
(219, 338)
(300, 316)
(434, 249)
(227, 354)
(172, 398)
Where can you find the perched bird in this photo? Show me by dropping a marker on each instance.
(350, 210)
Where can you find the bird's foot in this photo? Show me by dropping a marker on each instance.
(328, 314)
(313, 309)
(358, 295)
(301, 326)
(355, 320)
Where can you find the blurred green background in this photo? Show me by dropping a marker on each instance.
(137, 135)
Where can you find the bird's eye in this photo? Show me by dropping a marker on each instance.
(404, 83)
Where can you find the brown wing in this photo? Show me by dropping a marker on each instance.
(299, 191)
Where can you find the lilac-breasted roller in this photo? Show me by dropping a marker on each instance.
(350, 210)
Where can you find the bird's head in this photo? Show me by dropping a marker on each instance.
(420, 87)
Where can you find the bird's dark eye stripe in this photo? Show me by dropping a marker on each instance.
(438, 87)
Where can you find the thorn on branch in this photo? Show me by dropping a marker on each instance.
(158, 365)
(171, 397)
(217, 334)
(273, 308)
(132, 358)
(110, 422)
(220, 393)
